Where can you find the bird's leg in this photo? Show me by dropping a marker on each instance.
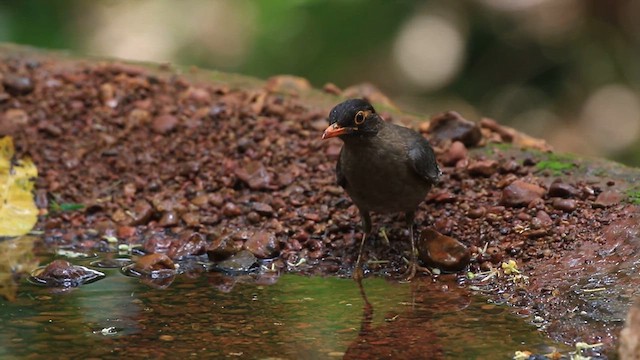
(358, 273)
(413, 262)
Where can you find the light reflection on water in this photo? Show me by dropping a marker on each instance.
(297, 317)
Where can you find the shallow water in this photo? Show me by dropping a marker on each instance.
(217, 316)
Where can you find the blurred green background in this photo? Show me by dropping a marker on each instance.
(564, 70)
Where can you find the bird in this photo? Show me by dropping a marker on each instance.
(384, 168)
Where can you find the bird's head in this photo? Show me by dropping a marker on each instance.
(354, 117)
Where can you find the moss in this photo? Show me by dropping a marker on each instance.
(633, 195)
(556, 164)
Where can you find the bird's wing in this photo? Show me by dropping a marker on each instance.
(340, 178)
(423, 159)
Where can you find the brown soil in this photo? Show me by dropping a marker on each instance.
(156, 157)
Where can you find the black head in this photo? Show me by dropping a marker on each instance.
(354, 117)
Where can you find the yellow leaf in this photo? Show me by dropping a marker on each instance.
(18, 212)
(16, 260)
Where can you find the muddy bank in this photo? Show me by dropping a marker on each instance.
(201, 164)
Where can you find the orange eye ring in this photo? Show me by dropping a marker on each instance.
(359, 118)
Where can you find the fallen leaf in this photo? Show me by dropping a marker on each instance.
(18, 212)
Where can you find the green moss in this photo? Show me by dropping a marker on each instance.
(556, 164)
(633, 195)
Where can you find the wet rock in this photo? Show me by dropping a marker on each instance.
(255, 175)
(624, 236)
(164, 123)
(263, 209)
(520, 193)
(168, 219)
(154, 270)
(442, 252)
(61, 273)
(608, 198)
(243, 261)
(110, 263)
(483, 168)
(566, 205)
(157, 243)
(194, 244)
(629, 348)
(17, 84)
(153, 262)
(142, 213)
(456, 152)
(222, 248)
(263, 245)
(560, 189)
(476, 213)
(231, 210)
(452, 126)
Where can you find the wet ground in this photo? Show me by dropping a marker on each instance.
(148, 160)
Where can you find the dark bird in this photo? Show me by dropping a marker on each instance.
(385, 168)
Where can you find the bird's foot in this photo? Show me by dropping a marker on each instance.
(412, 269)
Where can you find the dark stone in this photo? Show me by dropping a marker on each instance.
(263, 245)
(153, 262)
(243, 261)
(222, 248)
(442, 252)
(520, 193)
(142, 213)
(61, 273)
(263, 209)
(560, 189)
(452, 126)
(17, 85)
(566, 205)
(194, 244)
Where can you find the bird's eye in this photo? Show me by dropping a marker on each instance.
(360, 116)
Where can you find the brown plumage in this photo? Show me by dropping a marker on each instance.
(385, 168)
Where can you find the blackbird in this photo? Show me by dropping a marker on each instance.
(385, 168)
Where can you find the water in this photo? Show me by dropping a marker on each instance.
(297, 317)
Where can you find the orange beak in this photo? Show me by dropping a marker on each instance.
(335, 130)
